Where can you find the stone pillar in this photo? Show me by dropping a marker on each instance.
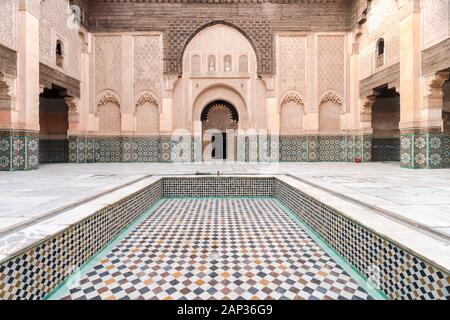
(81, 111)
(418, 125)
(268, 141)
(127, 97)
(359, 139)
(166, 119)
(19, 144)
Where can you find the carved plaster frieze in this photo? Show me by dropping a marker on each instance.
(257, 31)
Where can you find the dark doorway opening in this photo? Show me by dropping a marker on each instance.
(386, 125)
(220, 118)
(54, 126)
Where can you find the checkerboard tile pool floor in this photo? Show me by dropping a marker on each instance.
(214, 249)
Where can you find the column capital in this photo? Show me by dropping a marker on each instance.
(170, 80)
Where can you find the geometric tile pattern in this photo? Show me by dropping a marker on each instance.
(293, 149)
(422, 148)
(114, 149)
(446, 150)
(34, 274)
(216, 249)
(332, 148)
(311, 148)
(223, 187)
(401, 275)
(19, 150)
(386, 149)
(53, 151)
(318, 148)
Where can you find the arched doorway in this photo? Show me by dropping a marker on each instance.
(220, 122)
(385, 125)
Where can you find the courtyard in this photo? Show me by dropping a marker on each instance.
(225, 150)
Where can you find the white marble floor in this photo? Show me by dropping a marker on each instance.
(420, 197)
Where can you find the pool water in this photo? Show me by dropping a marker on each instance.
(214, 248)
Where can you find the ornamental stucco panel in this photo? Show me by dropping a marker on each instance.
(219, 41)
(108, 66)
(8, 23)
(331, 64)
(382, 22)
(435, 17)
(55, 24)
(147, 64)
(292, 59)
(181, 31)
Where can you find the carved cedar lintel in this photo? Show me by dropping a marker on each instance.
(74, 111)
(6, 100)
(433, 90)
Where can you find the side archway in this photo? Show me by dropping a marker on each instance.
(292, 110)
(108, 113)
(330, 111)
(147, 114)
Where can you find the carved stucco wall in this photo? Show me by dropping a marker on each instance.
(182, 31)
(8, 23)
(108, 66)
(129, 67)
(382, 22)
(291, 118)
(331, 66)
(147, 64)
(54, 24)
(219, 40)
(435, 18)
(292, 75)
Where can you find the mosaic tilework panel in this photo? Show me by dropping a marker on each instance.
(406, 150)
(218, 187)
(165, 149)
(386, 149)
(114, 149)
(182, 149)
(140, 149)
(313, 149)
(35, 273)
(423, 148)
(446, 150)
(293, 149)
(401, 274)
(332, 148)
(242, 147)
(216, 249)
(253, 148)
(19, 150)
(362, 148)
(108, 149)
(325, 148)
(53, 151)
(249, 148)
(81, 150)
